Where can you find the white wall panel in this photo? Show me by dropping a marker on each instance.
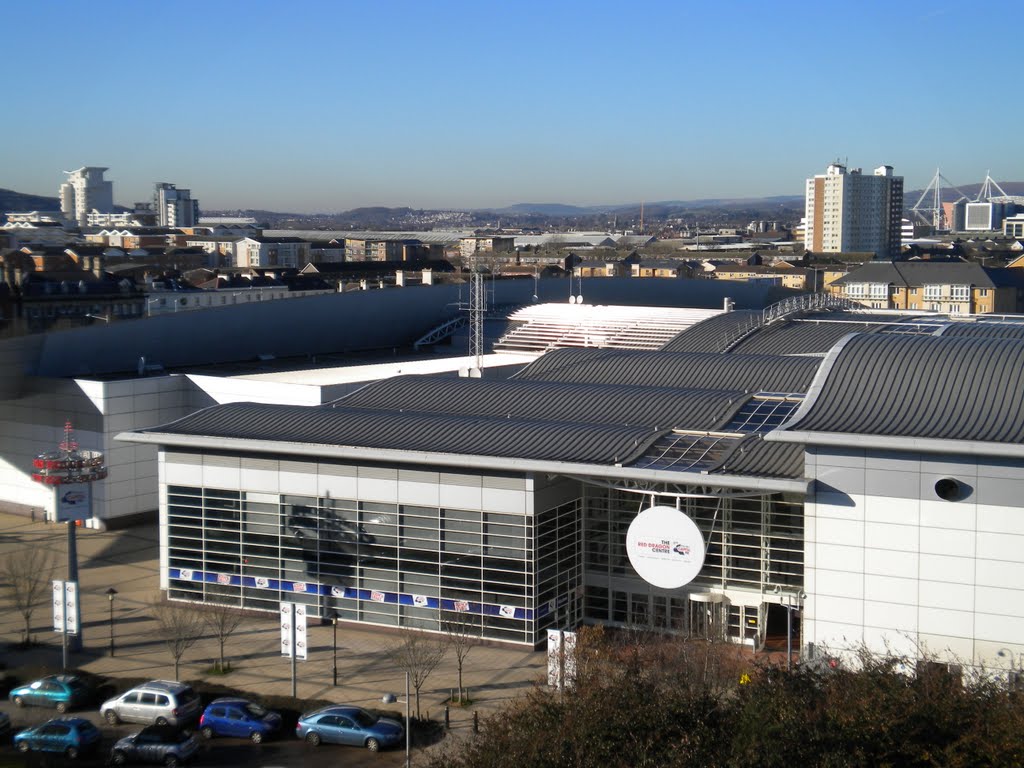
(956, 570)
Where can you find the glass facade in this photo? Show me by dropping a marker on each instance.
(390, 564)
(753, 544)
(511, 575)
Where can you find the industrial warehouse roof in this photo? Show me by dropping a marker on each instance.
(904, 382)
(907, 391)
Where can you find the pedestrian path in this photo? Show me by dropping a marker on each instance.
(128, 561)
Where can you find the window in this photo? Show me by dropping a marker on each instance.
(932, 292)
(961, 292)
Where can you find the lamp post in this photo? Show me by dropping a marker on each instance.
(111, 592)
(334, 645)
(390, 698)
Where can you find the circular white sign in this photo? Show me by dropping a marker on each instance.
(665, 547)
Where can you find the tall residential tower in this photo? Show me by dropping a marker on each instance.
(849, 212)
(174, 207)
(86, 191)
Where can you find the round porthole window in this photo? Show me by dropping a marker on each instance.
(949, 489)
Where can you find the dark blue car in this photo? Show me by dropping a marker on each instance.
(349, 725)
(62, 692)
(238, 717)
(71, 736)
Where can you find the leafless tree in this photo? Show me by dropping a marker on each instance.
(222, 619)
(418, 653)
(179, 625)
(462, 631)
(25, 576)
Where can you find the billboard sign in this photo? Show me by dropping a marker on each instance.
(665, 547)
(65, 607)
(293, 630)
(73, 502)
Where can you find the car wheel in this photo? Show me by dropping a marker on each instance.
(111, 717)
(171, 761)
(119, 758)
(62, 707)
(313, 738)
(206, 731)
(19, 702)
(256, 736)
(161, 721)
(72, 753)
(373, 745)
(23, 746)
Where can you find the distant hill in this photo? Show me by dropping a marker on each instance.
(17, 202)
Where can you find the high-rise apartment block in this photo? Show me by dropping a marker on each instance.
(175, 207)
(848, 211)
(86, 191)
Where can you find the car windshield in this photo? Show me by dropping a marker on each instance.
(255, 710)
(363, 719)
(187, 695)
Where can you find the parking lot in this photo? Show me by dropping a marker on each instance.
(127, 561)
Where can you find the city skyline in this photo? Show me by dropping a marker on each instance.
(331, 107)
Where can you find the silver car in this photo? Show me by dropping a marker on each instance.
(158, 702)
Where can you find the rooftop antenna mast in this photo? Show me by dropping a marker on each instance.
(477, 307)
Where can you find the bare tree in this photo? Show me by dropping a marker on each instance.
(179, 625)
(222, 619)
(25, 576)
(463, 631)
(418, 653)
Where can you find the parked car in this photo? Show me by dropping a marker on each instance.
(349, 725)
(161, 744)
(158, 702)
(238, 717)
(71, 736)
(59, 691)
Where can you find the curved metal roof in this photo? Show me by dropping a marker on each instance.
(430, 433)
(711, 335)
(550, 400)
(747, 373)
(940, 387)
(1003, 330)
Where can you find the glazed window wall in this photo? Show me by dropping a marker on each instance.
(391, 564)
(752, 544)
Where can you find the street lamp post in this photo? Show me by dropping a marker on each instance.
(111, 592)
(334, 645)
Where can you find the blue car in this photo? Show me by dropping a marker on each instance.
(62, 692)
(238, 717)
(71, 736)
(349, 725)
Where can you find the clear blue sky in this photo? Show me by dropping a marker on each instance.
(324, 106)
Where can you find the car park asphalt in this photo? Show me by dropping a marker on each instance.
(127, 561)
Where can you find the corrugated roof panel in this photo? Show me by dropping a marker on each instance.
(690, 370)
(711, 335)
(433, 433)
(958, 388)
(549, 400)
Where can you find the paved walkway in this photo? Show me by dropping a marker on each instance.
(127, 560)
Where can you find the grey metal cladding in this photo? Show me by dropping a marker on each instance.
(801, 337)
(753, 457)
(549, 400)
(432, 433)
(987, 330)
(958, 388)
(690, 370)
(710, 335)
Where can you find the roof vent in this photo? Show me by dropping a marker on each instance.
(950, 490)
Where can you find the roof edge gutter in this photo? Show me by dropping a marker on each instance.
(911, 444)
(466, 461)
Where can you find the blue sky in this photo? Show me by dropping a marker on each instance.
(325, 106)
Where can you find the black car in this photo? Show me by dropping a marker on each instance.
(159, 744)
